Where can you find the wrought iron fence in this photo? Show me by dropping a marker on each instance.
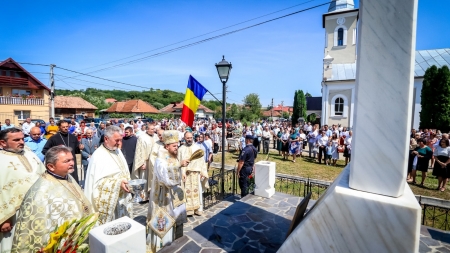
(435, 212)
(213, 195)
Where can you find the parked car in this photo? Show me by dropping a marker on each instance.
(42, 122)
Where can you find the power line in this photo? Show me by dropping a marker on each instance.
(68, 77)
(243, 22)
(101, 78)
(65, 82)
(206, 40)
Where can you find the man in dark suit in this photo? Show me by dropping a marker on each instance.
(90, 143)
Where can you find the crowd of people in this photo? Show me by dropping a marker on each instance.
(429, 149)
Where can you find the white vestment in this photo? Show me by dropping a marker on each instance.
(144, 147)
(167, 194)
(18, 172)
(106, 171)
(194, 172)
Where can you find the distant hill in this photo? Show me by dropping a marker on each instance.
(156, 97)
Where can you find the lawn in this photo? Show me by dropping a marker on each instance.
(308, 168)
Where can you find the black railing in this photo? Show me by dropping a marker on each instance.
(435, 212)
(213, 195)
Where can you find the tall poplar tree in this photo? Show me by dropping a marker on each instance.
(295, 107)
(435, 99)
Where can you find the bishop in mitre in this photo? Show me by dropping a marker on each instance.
(167, 208)
(107, 179)
(142, 167)
(19, 169)
(53, 199)
(195, 172)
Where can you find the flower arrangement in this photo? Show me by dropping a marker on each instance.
(31, 96)
(70, 236)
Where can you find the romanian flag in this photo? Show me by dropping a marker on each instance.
(194, 94)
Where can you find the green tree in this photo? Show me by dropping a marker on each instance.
(234, 111)
(254, 105)
(285, 115)
(308, 95)
(435, 99)
(302, 104)
(295, 107)
(158, 105)
(311, 118)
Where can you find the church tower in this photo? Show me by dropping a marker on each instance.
(340, 34)
(339, 63)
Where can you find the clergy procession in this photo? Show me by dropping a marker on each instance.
(39, 199)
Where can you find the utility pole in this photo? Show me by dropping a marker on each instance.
(52, 92)
(282, 108)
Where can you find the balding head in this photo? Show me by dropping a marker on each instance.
(89, 133)
(35, 133)
(445, 136)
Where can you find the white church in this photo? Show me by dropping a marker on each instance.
(339, 65)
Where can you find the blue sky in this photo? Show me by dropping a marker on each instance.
(272, 60)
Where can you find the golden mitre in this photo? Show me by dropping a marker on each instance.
(170, 136)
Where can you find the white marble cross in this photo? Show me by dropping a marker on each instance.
(384, 95)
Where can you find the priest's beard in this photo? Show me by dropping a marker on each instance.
(15, 150)
(188, 143)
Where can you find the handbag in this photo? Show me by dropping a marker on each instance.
(341, 148)
(315, 149)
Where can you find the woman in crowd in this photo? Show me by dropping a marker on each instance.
(41, 127)
(279, 142)
(441, 156)
(423, 154)
(285, 143)
(122, 126)
(431, 141)
(312, 139)
(51, 130)
(81, 132)
(335, 144)
(412, 147)
(302, 137)
(93, 128)
(293, 144)
(347, 145)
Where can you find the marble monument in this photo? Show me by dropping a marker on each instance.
(265, 179)
(369, 208)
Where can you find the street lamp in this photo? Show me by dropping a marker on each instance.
(223, 69)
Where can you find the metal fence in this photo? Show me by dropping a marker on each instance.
(435, 212)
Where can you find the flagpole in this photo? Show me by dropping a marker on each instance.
(215, 97)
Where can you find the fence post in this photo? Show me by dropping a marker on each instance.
(234, 181)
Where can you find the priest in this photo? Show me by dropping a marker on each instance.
(195, 172)
(63, 137)
(107, 179)
(52, 200)
(167, 208)
(142, 167)
(19, 169)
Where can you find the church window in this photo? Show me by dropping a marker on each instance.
(340, 37)
(339, 106)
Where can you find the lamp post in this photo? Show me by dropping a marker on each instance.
(223, 69)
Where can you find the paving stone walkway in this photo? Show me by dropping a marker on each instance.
(256, 224)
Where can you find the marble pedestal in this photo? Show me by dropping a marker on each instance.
(265, 179)
(347, 220)
(132, 240)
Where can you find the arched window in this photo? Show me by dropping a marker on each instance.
(340, 36)
(339, 106)
(340, 40)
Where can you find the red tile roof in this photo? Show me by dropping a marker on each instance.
(132, 106)
(283, 108)
(179, 106)
(73, 102)
(110, 100)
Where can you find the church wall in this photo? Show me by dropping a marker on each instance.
(416, 102)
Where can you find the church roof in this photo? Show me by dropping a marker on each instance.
(424, 60)
(341, 5)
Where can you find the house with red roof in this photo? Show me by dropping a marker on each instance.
(175, 109)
